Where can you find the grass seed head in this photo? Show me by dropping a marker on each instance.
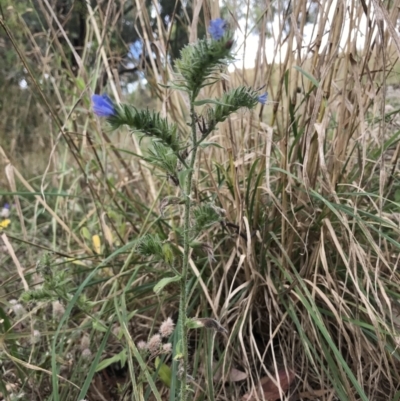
(35, 337)
(167, 327)
(154, 343)
(86, 353)
(167, 348)
(17, 308)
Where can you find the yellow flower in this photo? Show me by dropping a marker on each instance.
(4, 223)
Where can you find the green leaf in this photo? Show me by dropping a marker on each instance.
(80, 83)
(208, 101)
(124, 357)
(182, 177)
(397, 195)
(86, 234)
(164, 282)
(178, 351)
(175, 86)
(194, 324)
(5, 321)
(206, 144)
(99, 326)
(121, 357)
(307, 75)
(164, 372)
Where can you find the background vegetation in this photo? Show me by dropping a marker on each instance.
(305, 278)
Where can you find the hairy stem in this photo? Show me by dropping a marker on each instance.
(186, 252)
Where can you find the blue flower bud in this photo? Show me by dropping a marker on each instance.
(217, 28)
(263, 98)
(103, 106)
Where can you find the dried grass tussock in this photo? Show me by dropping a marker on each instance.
(296, 290)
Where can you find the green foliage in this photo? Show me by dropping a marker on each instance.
(164, 158)
(198, 67)
(235, 99)
(150, 245)
(205, 215)
(164, 372)
(147, 123)
(164, 282)
(57, 284)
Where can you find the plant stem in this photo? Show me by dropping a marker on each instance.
(186, 251)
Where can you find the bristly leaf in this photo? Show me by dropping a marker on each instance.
(164, 158)
(230, 102)
(147, 123)
(150, 245)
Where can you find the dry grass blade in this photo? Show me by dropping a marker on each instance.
(20, 270)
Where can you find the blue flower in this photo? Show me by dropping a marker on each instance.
(217, 28)
(263, 98)
(103, 106)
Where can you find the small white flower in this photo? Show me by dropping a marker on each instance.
(17, 308)
(35, 337)
(5, 211)
(86, 353)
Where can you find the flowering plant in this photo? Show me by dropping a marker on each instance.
(175, 153)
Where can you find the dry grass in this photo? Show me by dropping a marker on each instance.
(306, 277)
